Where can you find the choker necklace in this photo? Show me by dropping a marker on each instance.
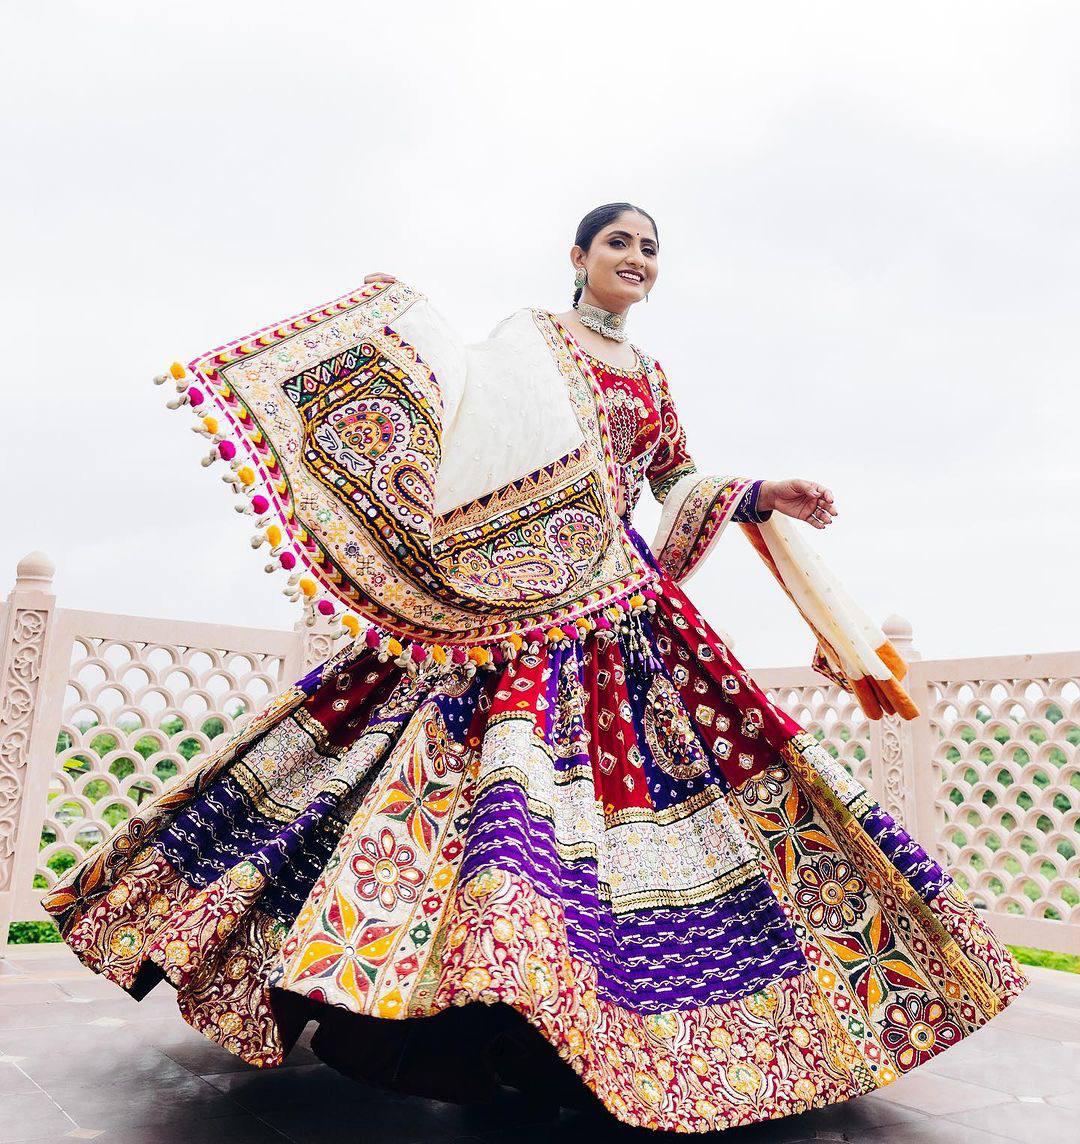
(602, 321)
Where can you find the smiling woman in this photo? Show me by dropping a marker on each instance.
(534, 823)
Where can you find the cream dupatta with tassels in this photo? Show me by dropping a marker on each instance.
(459, 498)
(851, 649)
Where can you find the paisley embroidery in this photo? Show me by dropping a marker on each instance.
(670, 734)
(337, 424)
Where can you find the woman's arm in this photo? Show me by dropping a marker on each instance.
(671, 460)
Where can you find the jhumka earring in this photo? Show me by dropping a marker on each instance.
(581, 278)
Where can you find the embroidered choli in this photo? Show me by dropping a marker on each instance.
(648, 439)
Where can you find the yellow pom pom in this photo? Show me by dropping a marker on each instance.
(178, 371)
(438, 654)
(555, 634)
(515, 641)
(637, 601)
(210, 424)
(308, 587)
(393, 647)
(583, 624)
(246, 474)
(351, 624)
(273, 534)
(478, 655)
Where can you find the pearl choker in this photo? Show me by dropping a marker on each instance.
(602, 321)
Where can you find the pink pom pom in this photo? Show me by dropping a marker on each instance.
(195, 396)
(326, 608)
(259, 504)
(571, 633)
(535, 636)
(497, 655)
(603, 624)
(458, 655)
(287, 561)
(418, 653)
(650, 594)
(372, 638)
(226, 450)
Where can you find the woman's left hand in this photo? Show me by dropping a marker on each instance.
(804, 500)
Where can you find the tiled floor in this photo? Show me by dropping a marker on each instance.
(80, 1060)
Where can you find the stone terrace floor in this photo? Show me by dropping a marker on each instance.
(80, 1060)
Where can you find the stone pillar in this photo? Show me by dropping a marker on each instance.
(892, 743)
(317, 642)
(23, 634)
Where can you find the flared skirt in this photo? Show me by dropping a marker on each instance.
(615, 842)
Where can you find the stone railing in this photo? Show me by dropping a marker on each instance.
(99, 712)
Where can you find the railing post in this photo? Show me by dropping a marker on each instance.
(315, 644)
(900, 758)
(312, 643)
(23, 639)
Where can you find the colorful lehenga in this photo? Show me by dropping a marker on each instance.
(578, 821)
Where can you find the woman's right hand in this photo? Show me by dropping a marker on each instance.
(379, 278)
(803, 500)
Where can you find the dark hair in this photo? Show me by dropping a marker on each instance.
(595, 221)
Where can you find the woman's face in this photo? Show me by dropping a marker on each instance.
(621, 262)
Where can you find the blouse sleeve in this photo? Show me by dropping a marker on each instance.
(671, 460)
(747, 511)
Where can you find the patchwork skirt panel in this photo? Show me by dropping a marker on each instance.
(620, 839)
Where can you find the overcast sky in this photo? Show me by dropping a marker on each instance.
(869, 244)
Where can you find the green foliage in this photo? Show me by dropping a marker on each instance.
(62, 862)
(32, 933)
(1066, 962)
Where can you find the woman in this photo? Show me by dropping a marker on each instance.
(534, 778)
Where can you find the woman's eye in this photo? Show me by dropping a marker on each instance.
(621, 242)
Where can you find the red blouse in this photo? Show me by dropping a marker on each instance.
(644, 437)
(648, 441)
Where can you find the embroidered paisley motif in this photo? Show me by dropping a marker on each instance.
(670, 734)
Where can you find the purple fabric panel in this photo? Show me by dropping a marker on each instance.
(504, 833)
(664, 789)
(928, 878)
(747, 510)
(223, 828)
(650, 959)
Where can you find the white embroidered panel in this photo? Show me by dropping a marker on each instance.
(514, 416)
(422, 326)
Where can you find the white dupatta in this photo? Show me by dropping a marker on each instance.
(851, 649)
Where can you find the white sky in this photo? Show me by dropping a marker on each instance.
(869, 249)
